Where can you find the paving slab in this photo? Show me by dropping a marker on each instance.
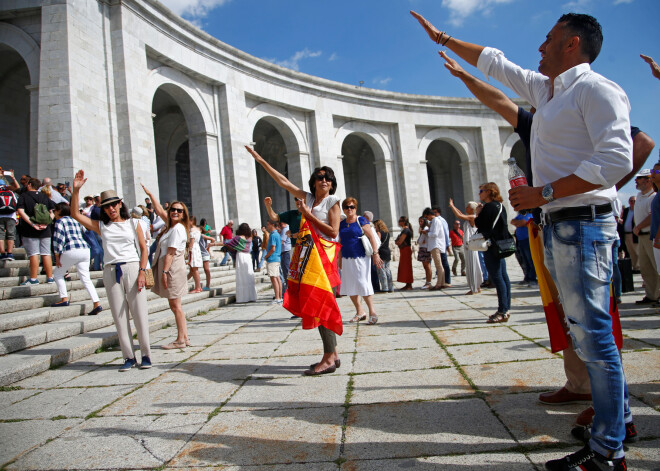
(17, 438)
(64, 403)
(467, 462)
(516, 377)
(401, 360)
(403, 386)
(414, 429)
(222, 351)
(313, 346)
(477, 335)
(279, 367)
(148, 442)
(266, 437)
(212, 370)
(375, 343)
(293, 392)
(498, 352)
(391, 327)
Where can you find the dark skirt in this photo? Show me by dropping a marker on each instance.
(423, 255)
(405, 273)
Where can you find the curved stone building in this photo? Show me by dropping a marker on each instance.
(134, 94)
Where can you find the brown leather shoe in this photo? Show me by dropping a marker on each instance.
(586, 417)
(563, 396)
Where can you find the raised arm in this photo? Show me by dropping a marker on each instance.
(490, 96)
(329, 229)
(158, 209)
(280, 179)
(90, 224)
(467, 51)
(460, 215)
(272, 215)
(655, 69)
(642, 147)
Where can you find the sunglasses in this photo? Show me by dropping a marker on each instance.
(482, 190)
(113, 204)
(349, 207)
(655, 172)
(176, 210)
(320, 178)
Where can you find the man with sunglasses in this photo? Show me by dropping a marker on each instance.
(645, 256)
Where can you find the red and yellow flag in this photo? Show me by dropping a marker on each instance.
(554, 313)
(312, 275)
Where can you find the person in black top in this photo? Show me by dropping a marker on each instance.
(35, 236)
(491, 222)
(384, 273)
(405, 273)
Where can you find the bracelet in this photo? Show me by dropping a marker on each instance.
(143, 269)
(439, 38)
(166, 272)
(446, 41)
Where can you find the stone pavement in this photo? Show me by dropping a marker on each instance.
(432, 386)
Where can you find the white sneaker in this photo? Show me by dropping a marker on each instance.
(426, 286)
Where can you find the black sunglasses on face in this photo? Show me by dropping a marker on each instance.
(320, 178)
(176, 210)
(349, 207)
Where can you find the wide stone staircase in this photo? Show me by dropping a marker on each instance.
(35, 336)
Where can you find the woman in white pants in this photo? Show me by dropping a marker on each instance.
(70, 249)
(125, 258)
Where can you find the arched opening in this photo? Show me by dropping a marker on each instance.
(14, 112)
(518, 152)
(360, 173)
(443, 166)
(270, 144)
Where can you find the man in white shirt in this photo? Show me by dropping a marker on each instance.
(580, 147)
(645, 257)
(437, 245)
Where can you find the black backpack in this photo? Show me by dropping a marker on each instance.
(8, 201)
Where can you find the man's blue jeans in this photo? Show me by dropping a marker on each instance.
(526, 254)
(445, 266)
(484, 271)
(578, 254)
(500, 278)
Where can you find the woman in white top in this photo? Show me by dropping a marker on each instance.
(195, 257)
(124, 263)
(169, 265)
(472, 265)
(320, 207)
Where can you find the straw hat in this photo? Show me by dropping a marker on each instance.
(109, 196)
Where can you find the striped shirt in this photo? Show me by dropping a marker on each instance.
(68, 235)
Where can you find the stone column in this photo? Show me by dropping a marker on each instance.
(413, 179)
(34, 128)
(386, 191)
(206, 186)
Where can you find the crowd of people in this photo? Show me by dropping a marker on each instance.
(580, 149)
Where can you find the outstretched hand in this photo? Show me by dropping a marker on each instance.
(431, 30)
(655, 69)
(452, 66)
(79, 180)
(268, 201)
(146, 191)
(254, 154)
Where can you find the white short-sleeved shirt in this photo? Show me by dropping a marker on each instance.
(176, 237)
(118, 239)
(643, 208)
(322, 209)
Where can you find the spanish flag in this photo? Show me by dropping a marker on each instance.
(312, 275)
(554, 313)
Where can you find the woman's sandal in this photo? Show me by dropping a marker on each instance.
(174, 345)
(357, 318)
(498, 317)
(373, 320)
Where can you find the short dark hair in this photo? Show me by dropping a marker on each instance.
(329, 173)
(587, 28)
(123, 213)
(34, 183)
(437, 209)
(427, 211)
(63, 208)
(244, 230)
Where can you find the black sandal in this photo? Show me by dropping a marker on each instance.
(498, 317)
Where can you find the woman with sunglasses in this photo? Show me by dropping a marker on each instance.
(320, 207)
(169, 265)
(491, 221)
(356, 266)
(125, 259)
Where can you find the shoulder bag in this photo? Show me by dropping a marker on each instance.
(366, 243)
(148, 273)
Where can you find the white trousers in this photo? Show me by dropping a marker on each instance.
(79, 258)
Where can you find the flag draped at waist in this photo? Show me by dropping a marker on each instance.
(554, 313)
(312, 275)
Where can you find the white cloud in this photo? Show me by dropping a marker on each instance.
(193, 9)
(293, 61)
(382, 81)
(333, 57)
(461, 9)
(618, 2)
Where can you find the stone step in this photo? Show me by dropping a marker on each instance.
(33, 317)
(32, 361)
(11, 281)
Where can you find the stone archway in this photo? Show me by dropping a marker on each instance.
(518, 152)
(445, 176)
(19, 79)
(360, 177)
(270, 144)
(181, 150)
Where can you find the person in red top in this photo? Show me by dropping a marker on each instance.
(456, 236)
(227, 234)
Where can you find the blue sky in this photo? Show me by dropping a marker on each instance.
(379, 43)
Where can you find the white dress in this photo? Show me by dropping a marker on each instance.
(195, 252)
(246, 290)
(472, 265)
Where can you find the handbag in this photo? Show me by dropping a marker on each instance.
(366, 243)
(148, 273)
(505, 247)
(478, 243)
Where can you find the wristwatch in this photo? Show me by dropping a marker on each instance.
(548, 193)
(143, 269)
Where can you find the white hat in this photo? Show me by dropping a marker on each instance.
(137, 211)
(645, 172)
